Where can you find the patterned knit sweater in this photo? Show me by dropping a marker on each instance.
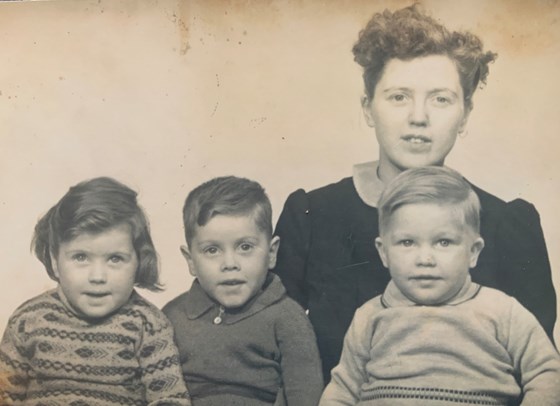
(49, 356)
(482, 348)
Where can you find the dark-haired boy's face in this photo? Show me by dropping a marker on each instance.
(230, 256)
(429, 250)
(417, 111)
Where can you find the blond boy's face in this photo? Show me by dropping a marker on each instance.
(230, 256)
(429, 250)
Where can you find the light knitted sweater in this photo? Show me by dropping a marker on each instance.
(49, 356)
(481, 348)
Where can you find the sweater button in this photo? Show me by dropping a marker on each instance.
(218, 320)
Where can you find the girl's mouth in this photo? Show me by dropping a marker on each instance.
(416, 139)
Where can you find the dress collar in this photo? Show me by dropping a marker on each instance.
(198, 302)
(367, 183)
(393, 297)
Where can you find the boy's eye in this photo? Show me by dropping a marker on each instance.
(406, 243)
(444, 242)
(246, 247)
(210, 250)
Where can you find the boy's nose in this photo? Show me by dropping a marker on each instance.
(97, 273)
(425, 257)
(230, 262)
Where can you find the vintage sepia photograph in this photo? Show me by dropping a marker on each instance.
(266, 202)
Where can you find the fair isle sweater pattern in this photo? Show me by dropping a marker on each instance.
(49, 356)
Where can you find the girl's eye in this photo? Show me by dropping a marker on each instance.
(115, 259)
(79, 257)
(442, 100)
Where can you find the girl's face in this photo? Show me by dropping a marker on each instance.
(417, 110)
(96, 272)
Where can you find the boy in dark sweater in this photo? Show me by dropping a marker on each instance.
(241, 340)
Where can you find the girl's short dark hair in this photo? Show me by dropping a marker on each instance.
(407, 34)
(94, 206)
(228, 195)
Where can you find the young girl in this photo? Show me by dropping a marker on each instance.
(93, 340)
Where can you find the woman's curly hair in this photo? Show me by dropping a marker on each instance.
(408, 33)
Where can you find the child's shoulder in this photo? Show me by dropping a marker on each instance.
(46, 302)
(142, 310)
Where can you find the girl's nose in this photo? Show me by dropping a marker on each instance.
(418, 115)
(97, 273)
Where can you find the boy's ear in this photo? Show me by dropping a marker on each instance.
(381, 250)
(187, 254)
(273, 251)
(476, 248)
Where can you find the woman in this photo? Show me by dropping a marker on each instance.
(419, 82)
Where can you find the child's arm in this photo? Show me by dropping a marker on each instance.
(350, 374)
(534, 358)
(300, 362)
(14, 367)
(161, 370)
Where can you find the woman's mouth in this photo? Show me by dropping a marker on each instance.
(416, 139)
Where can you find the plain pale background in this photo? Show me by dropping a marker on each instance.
(163, 95)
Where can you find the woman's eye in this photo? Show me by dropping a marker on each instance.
(398, 98)
(442, 100)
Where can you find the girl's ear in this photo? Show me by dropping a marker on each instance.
(54, 265)
(273, 251)
(187, 254)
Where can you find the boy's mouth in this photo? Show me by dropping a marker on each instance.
(97, 294)
(232, 282)
(425, 278)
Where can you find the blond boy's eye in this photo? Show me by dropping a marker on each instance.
(407, 243)
(444, 242)
(211, 250)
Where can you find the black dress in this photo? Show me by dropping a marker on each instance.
(328, 262)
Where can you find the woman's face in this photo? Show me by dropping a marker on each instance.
(417, 110)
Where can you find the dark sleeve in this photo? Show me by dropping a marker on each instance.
(294, 230)
(300, 363)
(14, 365)
(524, 259)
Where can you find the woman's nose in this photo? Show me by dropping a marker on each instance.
(98, 273)
(418, 115)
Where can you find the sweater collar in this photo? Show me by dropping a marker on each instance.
(198, 302)
(393, 297)
(367, 183)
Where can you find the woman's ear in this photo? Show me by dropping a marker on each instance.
(366, 108)
(466, 114)
(273, 251)
(187, 254)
